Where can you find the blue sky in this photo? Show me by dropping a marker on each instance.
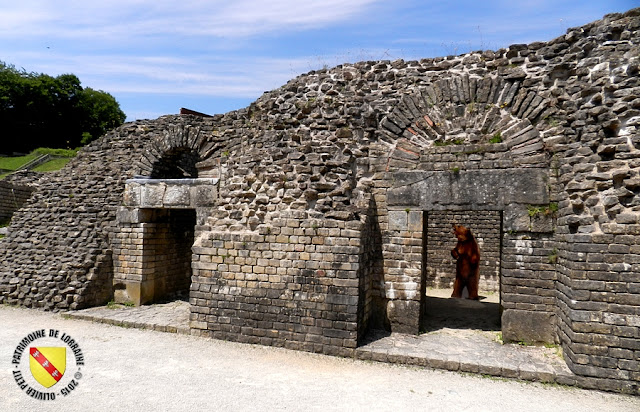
(215, 56)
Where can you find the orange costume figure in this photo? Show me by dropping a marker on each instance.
(467, 255)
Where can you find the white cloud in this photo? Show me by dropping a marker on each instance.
(196, 75)
(123, 19)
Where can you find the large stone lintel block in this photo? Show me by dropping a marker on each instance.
(176, 196)
(152, 195)
(171, 193)
(469, 189)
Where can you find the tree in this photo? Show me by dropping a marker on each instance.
(100, 113)
(41, 110)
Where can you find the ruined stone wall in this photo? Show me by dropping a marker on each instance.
(15, 190)
(598, 303)
(58, 253)
(318, 231)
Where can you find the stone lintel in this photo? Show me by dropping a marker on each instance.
(469, 189)
(171, 193)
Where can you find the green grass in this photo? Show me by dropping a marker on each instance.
(497, 138)
(56, 152)
(113, 305)
(13, 163)
(52, 165)
(61, 158)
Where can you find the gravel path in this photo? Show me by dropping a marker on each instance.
(131, 369)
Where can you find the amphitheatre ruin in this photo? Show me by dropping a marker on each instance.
(323, 210)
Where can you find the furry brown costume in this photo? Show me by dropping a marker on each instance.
(467, 255)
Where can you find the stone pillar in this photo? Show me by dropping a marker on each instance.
(403, 270)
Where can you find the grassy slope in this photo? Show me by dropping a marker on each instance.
(52, 165)
(14, 163)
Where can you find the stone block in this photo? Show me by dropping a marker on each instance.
(483, 189)
(398, 220)
(516, 218)
(204, 195)
(131, 195)
(415, 221)
(176, 196)
(152, 195)
(541, 223)
(404, 316)
(528, 326)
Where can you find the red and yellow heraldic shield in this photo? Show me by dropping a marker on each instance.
(48, 364)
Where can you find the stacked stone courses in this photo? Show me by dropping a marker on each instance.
(316, 205)
(15, 190)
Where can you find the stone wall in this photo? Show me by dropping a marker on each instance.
(598, 168)
(292, 284)
(58, 254)
(15, 190)
(316, 229)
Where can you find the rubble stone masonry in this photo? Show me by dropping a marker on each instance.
(324, 207)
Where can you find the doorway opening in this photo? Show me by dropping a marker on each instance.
(440, 310)
(167, 254)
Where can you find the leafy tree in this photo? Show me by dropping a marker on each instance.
(41, 110)
(101, 112)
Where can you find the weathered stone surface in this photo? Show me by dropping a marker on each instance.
(398, 219)
(528, 327)
(470, 189)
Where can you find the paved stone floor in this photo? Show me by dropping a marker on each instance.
(164, 317)
(464, 335)
(460, 335)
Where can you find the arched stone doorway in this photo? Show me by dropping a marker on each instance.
(472, 146)
(157, 224)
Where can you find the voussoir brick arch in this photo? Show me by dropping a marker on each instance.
(468, 115)
(174, 153)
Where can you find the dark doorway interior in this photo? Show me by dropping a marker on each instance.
(168, 243)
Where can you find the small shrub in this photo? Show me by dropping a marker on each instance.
(497, 138)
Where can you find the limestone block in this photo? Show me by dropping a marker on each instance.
(398, 220)
(541, 223)
(528, 326)
(404, 316)
(480, 189)
(516, 218)
(176, 195)
(123, 215)
(132, 193)
(204, 195)
(152, 195)
(415, 220)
